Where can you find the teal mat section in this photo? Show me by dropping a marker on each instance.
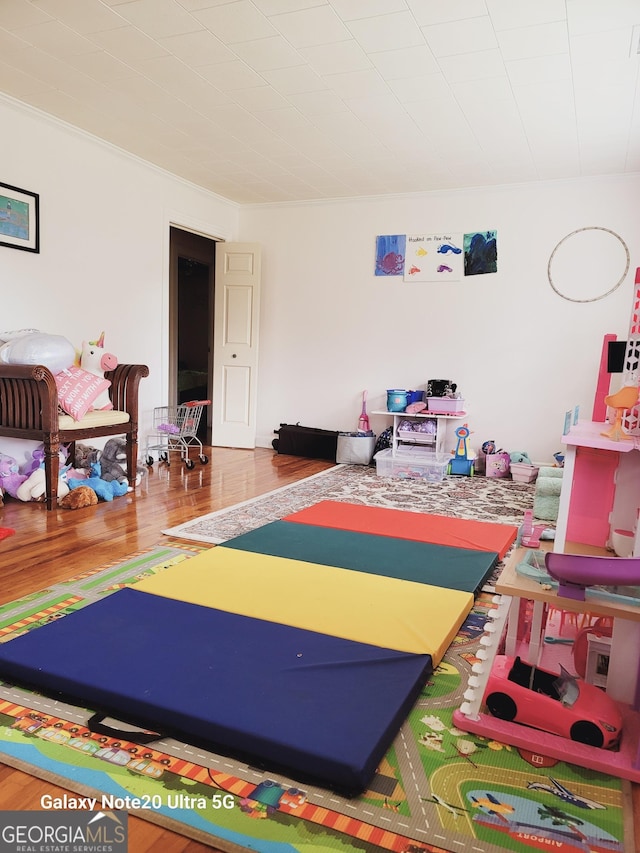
(439, 565)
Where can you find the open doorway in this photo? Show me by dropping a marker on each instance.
(191, 299)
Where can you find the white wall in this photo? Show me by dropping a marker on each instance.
(104, 249)
(521, 355)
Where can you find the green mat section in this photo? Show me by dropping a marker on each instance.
(438, 565)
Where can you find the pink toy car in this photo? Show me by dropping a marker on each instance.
(559, 704)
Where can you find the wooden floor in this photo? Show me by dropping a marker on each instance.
(52, 546)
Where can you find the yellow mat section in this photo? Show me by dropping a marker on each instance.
(394, 614)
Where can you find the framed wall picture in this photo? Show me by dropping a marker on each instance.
(19, 218)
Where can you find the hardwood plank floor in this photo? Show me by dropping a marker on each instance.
(52, 546)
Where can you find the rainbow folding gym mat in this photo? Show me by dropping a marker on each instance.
(305, 668)
(311, 705)
(439, 565)
(421, 527)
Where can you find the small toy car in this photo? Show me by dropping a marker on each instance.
(560, 704)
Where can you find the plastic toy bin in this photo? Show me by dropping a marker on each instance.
(411, 463)
(444, 405)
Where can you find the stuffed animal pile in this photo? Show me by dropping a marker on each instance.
(101, 473)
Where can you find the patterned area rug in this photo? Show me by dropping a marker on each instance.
(438, 790)
(481, 498)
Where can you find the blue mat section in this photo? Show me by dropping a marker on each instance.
(439, 565)
(316, 707)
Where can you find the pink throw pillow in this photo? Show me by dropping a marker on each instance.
(77, 390)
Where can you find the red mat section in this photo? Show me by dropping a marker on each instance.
(436, 529)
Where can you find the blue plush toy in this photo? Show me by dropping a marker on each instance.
(520, 456)
(104, 490)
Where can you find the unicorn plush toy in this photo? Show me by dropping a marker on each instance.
(95, 359)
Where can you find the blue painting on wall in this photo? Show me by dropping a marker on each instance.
(480, 252)
(390, 254)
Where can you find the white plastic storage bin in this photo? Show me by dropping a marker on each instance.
(444, 405)
(355, 449)
(411, 463)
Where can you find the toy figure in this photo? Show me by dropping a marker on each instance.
(95, 359)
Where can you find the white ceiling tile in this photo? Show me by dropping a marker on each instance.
(19, 84)
(540, 40)
(427, 13)
(21, 13)
(268, 53)
(128, 44)
(42, 66)
(318, 103)
(189, 5)
(319, 25)
(445, 124)
(235, 22)
(139, 91)
(10, 42)
(158, 18)
(408, 62)
(479, 65)
(511, 14)
(539, 69)
(387, 32)
(591, 50)
(170, 74)
(385, 108)
(228, 76)
(84, 16)
(278, 7)
(594, 16)
(460, 36)
(294, 80)
(612, 113)
(354, 84)
(340, 57)
(100, 66)
(56, 38)
(602, 159)
(423, 88)
(351, 10)
(260, 98)
(238, 122)
(197, 48)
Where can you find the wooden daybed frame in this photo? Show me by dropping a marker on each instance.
(29, 409)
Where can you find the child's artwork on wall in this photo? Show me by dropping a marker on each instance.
(437, 257)
(480, 252)
(390, 252)
(434, 257)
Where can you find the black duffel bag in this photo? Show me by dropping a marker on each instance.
(314, 443)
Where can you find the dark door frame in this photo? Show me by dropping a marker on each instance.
(186, 244)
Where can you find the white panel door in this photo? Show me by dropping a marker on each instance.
(235, 344)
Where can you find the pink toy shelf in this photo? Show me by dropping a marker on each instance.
(600, 486)
(504, 626)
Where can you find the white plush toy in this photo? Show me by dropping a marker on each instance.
(34, 487)
(95, 359)
(32, 347)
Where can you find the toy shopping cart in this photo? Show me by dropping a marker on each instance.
(175, 428)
